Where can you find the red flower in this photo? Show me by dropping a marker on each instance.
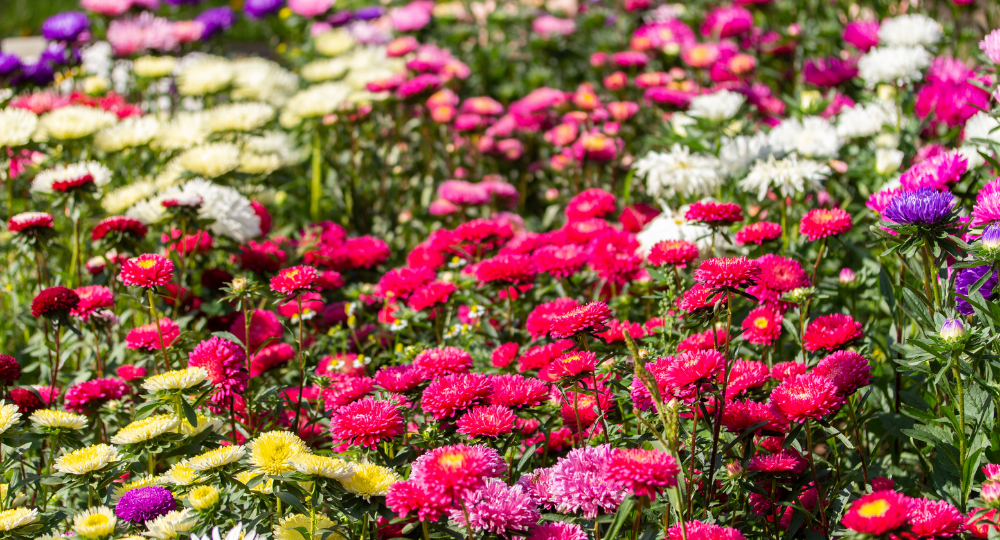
(731, 272)
(92, 298)
(508, 267)
(262, 257)
(830, 332)
(701, 297)
(27, 401)
(714, 213)
(581, 410)
(787, 460)
(431, 294)
(691, 368)
(804, 397)
(398, 378)
(486, 421)
(54, 302)
(643, 472)
(821, 223)
(225, 363)
(366, 423)
(147, 270)
(294, 280)
(675, 252)
(934, 519)
(617, 329)
(129, 372)
(878, 513)
(264, 326)
(778, 275)
(787, 370)
(10, 370)
(410, 496)
(979, 523)
(762, 326)
(197, 242)
(121, 225)
(450, 394)
(559, 261)
(365, 251)
(614, 256)
(517, 391)
(87, 396)
(146, 337)
(539, 321)
(454, 470)
(744, 375)
(539, 356)
(703, 341)
(399, 283)
(758, 233)
(270, 357)
(592, 203)
(443, 361)
(346, 390)
(571, 365)
(503, 355)
(696, 530)
(312, 304)
(30, 223)
(739, 416)
(584, 318)
(847, 369)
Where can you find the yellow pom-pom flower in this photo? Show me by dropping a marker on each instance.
(286, 528)
(17, 517)
(8, 416)
(265, 486)
(270, 451)
(203, 497)
(146, 429)
(324, 466)
(95, 523)
(58, 419)
(370, 480)
(181, 474)
(178, 379)
(216, 458)
(87, 460)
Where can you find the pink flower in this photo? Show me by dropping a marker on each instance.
(148, 270)
(109, 8)
(366, 423)
(549, 26)
(87, 396)
(146, 336)
(486, 421)
(497, 508)
(724, 22)
(990, 45)
(294, 280)
(862, 34)
(310, 8)
(411, 17)
(579, 482)
(225, 363)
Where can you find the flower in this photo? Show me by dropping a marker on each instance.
(323, 466)
(457, 469)
(287, 528)
(65, 178)
(178, 379)
(148, 336)
(878, 513)
(787, 460)
(294, 280)
(95, 523)
(218, 457)
(10, 370)
(58, 419)
(739, 416)
(92, 298)
(225, 362)
(644, 472)
(804, 397)
(713, 213)
(674, 252)
(821, 223)
(909, 30)
(264, 486)
(924, 206)
(762, 326)
(86, 460)
(847, 369)
(728, 272)
(830, 332)
(447, 395)
(498, 508)
(716, 107)
(559, 261)
(588, 317)
(506, 267)
(88, 395)
(9, 416)
(557, 530)
(30, 223)
(811, 137)
(54, 302)
(893, 64)
(990, 45)
(172, 523)
(789, 176)
(696, 530)
(679, 172)
(14, 518)
(148, 270)
(16, 126)
(591, 203)
(758, 233)
(934, 519)
(517, 391)
(203, 497)
(487, 421)
(370, 480)
(442, 361)
(241, 116)
(270, 451)
(579, 482)
(366, 423)
(75, 122)
(966, 278)
(146, 429)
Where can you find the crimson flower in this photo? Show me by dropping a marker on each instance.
(147, 271)
(821, 223)
(831, 332)
(294, 280)
(728, 272)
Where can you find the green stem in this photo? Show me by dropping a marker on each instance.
(857, 435)
(819, 258)
(930, 281)
(317, 173)
(960, 398)
(812, 469)
(159, 333)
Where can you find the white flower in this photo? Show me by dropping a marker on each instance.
(75, 122)
(895, 65)
(206, 76)
(178, 379)
(86, 460)
(216, 458)
(124, 197)
(909, 30)
(129, 133)
(8, 416)
(279, 143)
(234, 216)
(861, 121)
(398, 325)
(259, 79)
(325, 69)
(184, 130)
(246, 116)
(670, 226)
(258, 163)
(211, 160)
(313, 102)
(888, 160)
(171, 524)
(16, 126)
(153, 67)
(334, 42)
(737, 153)
(95, 523)
(716, 107)
(66, 177)
(812, 136)
(146, 429)
(980, 126)
(679, 171)
(789, 176)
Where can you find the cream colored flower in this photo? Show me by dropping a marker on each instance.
(8, 416)
(146, 429)
(87, 460)
(370, 480)
(129, 133)
(181, 474)
(125, 197)
(58, 419)
(224, 455)
(325, 69)
(259, 79)
(259, 163)
(19, 498)
(153, 67)
(16, 126)
(184, 130)
(94, 523)
(171, 524)
(206, 76)
(244, 116)
(287, 527)
(17, 517)
(75, 122)
(270, 451)
(334, 42)
(314, 102)
(324, 466)
(178, 379)
(142, 481)
(211, 160)
(265, 486)
(203, 497)
(204, 422)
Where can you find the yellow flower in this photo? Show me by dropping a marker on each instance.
(334, 42)
(95, 522)
(178, 379)
(171, 524)
(87, 460)
(265, 486)
(17, 517)
(216, 458)
(181, 474)
(204, 422)
(146, 429)
(286, 528)
(153, 67)
(204, 497)
(324, 466)
(142, 481)
(370, 480)
(8, 416)
(58, 419)
(211, 160)
(270, 451)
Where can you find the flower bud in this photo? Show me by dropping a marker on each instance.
(809, 100)
(991, 237)
(882, 483)
(888, 160)
(992, 471)
(952, 331)
(551, 194)
(990, 493)
(239, 285)
(734, 469)
(847, 276)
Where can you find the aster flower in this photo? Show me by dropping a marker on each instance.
(146, 429)
(557, 530)
(937, 172)
(778, 276)
(808, 396)
(739, 416)
(572, 364)
(673, 252)
(16, 126)
(762, 326)
(148, 336)
(270, 451)
(878, 513)
(411, 496)
(87, 396)
(789, 177)
(322, 466)
(909, 30)
(700, 298)
(934, 519)
(443, 361)
(225, 362)
(679, 172)
(497, 508)
(893, 64)
(294, 280)
(457, 469)
(215, 458)
(696, 530)
(15, 518)
(370, 480)
(967, 278)
(924, 208)
(54, 303)
(714, 214)
(204, 498)
(92, 298)
(486, 421)
(9, 416)
(830, 332)
(585, 318)
(990, 45)
(366, 423)
(10, 369)
(179, 379)
(517, 391)
(86, 460)
(94, 523)
(644, 472)
(987, 208)
(847, 369)
(66, 178)
(148, 270)
(758, 233)
(58, 419)
(559, 261)
(787, 461)
(821, 223)
(449, 394)
(728, 272)
(30, 223)
(171, 524)
(579, 482)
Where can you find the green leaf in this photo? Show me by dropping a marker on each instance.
(621, 516)
(189, 413)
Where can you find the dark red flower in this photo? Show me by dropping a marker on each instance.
(27, 401)
(122, 225)
(431, 294)
(261, 257)
(30, 223)
(847, 369)
(54, 302)
(10, 370)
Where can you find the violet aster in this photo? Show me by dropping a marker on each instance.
(967, 277)
(216, 20)
(258, 9)
(991, 237)
(925, 206)
(65, 26)
(143, 504)
(9, 63)
(369, 12)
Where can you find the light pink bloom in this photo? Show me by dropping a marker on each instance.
(549, 26)
(110, 8)
(991, 46)
(309, 8)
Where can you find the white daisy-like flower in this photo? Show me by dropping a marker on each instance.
(213, 459)
(358, 78)
(206, 76)
(232, 213)
(325, 69)
(74, 122)
(129, 133)
(17, 517)
(258, 79)
(184, 130)
(737, 153)
(243, 116)
(154, 67)
(861, 121)
(171, 524)
(314, 102)
(888, 160)
(334, 42)
(58, 419)
(9, 416)
(180, 474)
(279, 143)
(16, 126)
(125, 197)
(236, 533)
(812, 136)
(65, 177)
(211, 160)
(672, 226)
(894, 65)
(178, 379)
(259, 163)
(679, 171)
(324, 466)
(909, 30)
(94, 523)
(146, 429)
(788, 177)
(980, 126)
(86, 460)
(148, 211)
(716, 107)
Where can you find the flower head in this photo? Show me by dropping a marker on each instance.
(203, 497)
(30, 223)
(925, 207)
(847, 369)
(498, 508)
(644, 472)
(148, 270)
(14, 518)
(86, 460)
(225, 362)
(674, 252)
(588, 317)
(821, 223)
(442, 361)
(178, 379)
(967, 278)
(10, 370)
(322, 466)
(146, 429)
(270, 451)
(487, 421)
(294, 280)
(370, 480)
(148, 336)
(762, 326)
(758, 233)
(54, 303)
(728, 272)
(808, 396)
(94, 523)
(448, 395)
(366, 423)
(580, 483)
(58, 419)
(288, 527)
(714, 213)
(831, 332)
(215, 458)
(878, 513)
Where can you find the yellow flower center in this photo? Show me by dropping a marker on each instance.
(452, 461)
(760, 323)
(95, 520)
(874, 509)
(146, 264)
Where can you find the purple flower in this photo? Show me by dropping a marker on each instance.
(258, 9)
(368, 13)
(340, 18)
(991, 237)
(829, 72)
(39, 73)
(9, 63)
(66, 26)
(968, 277)
(499, 509)
(143, 504)
(579, 482)
(952, 330)
(924, 206)
(216, 20)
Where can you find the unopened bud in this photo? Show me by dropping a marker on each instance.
(239, 285)
(847, 276)
(952, 331)
(734, 469)
(990, 494)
